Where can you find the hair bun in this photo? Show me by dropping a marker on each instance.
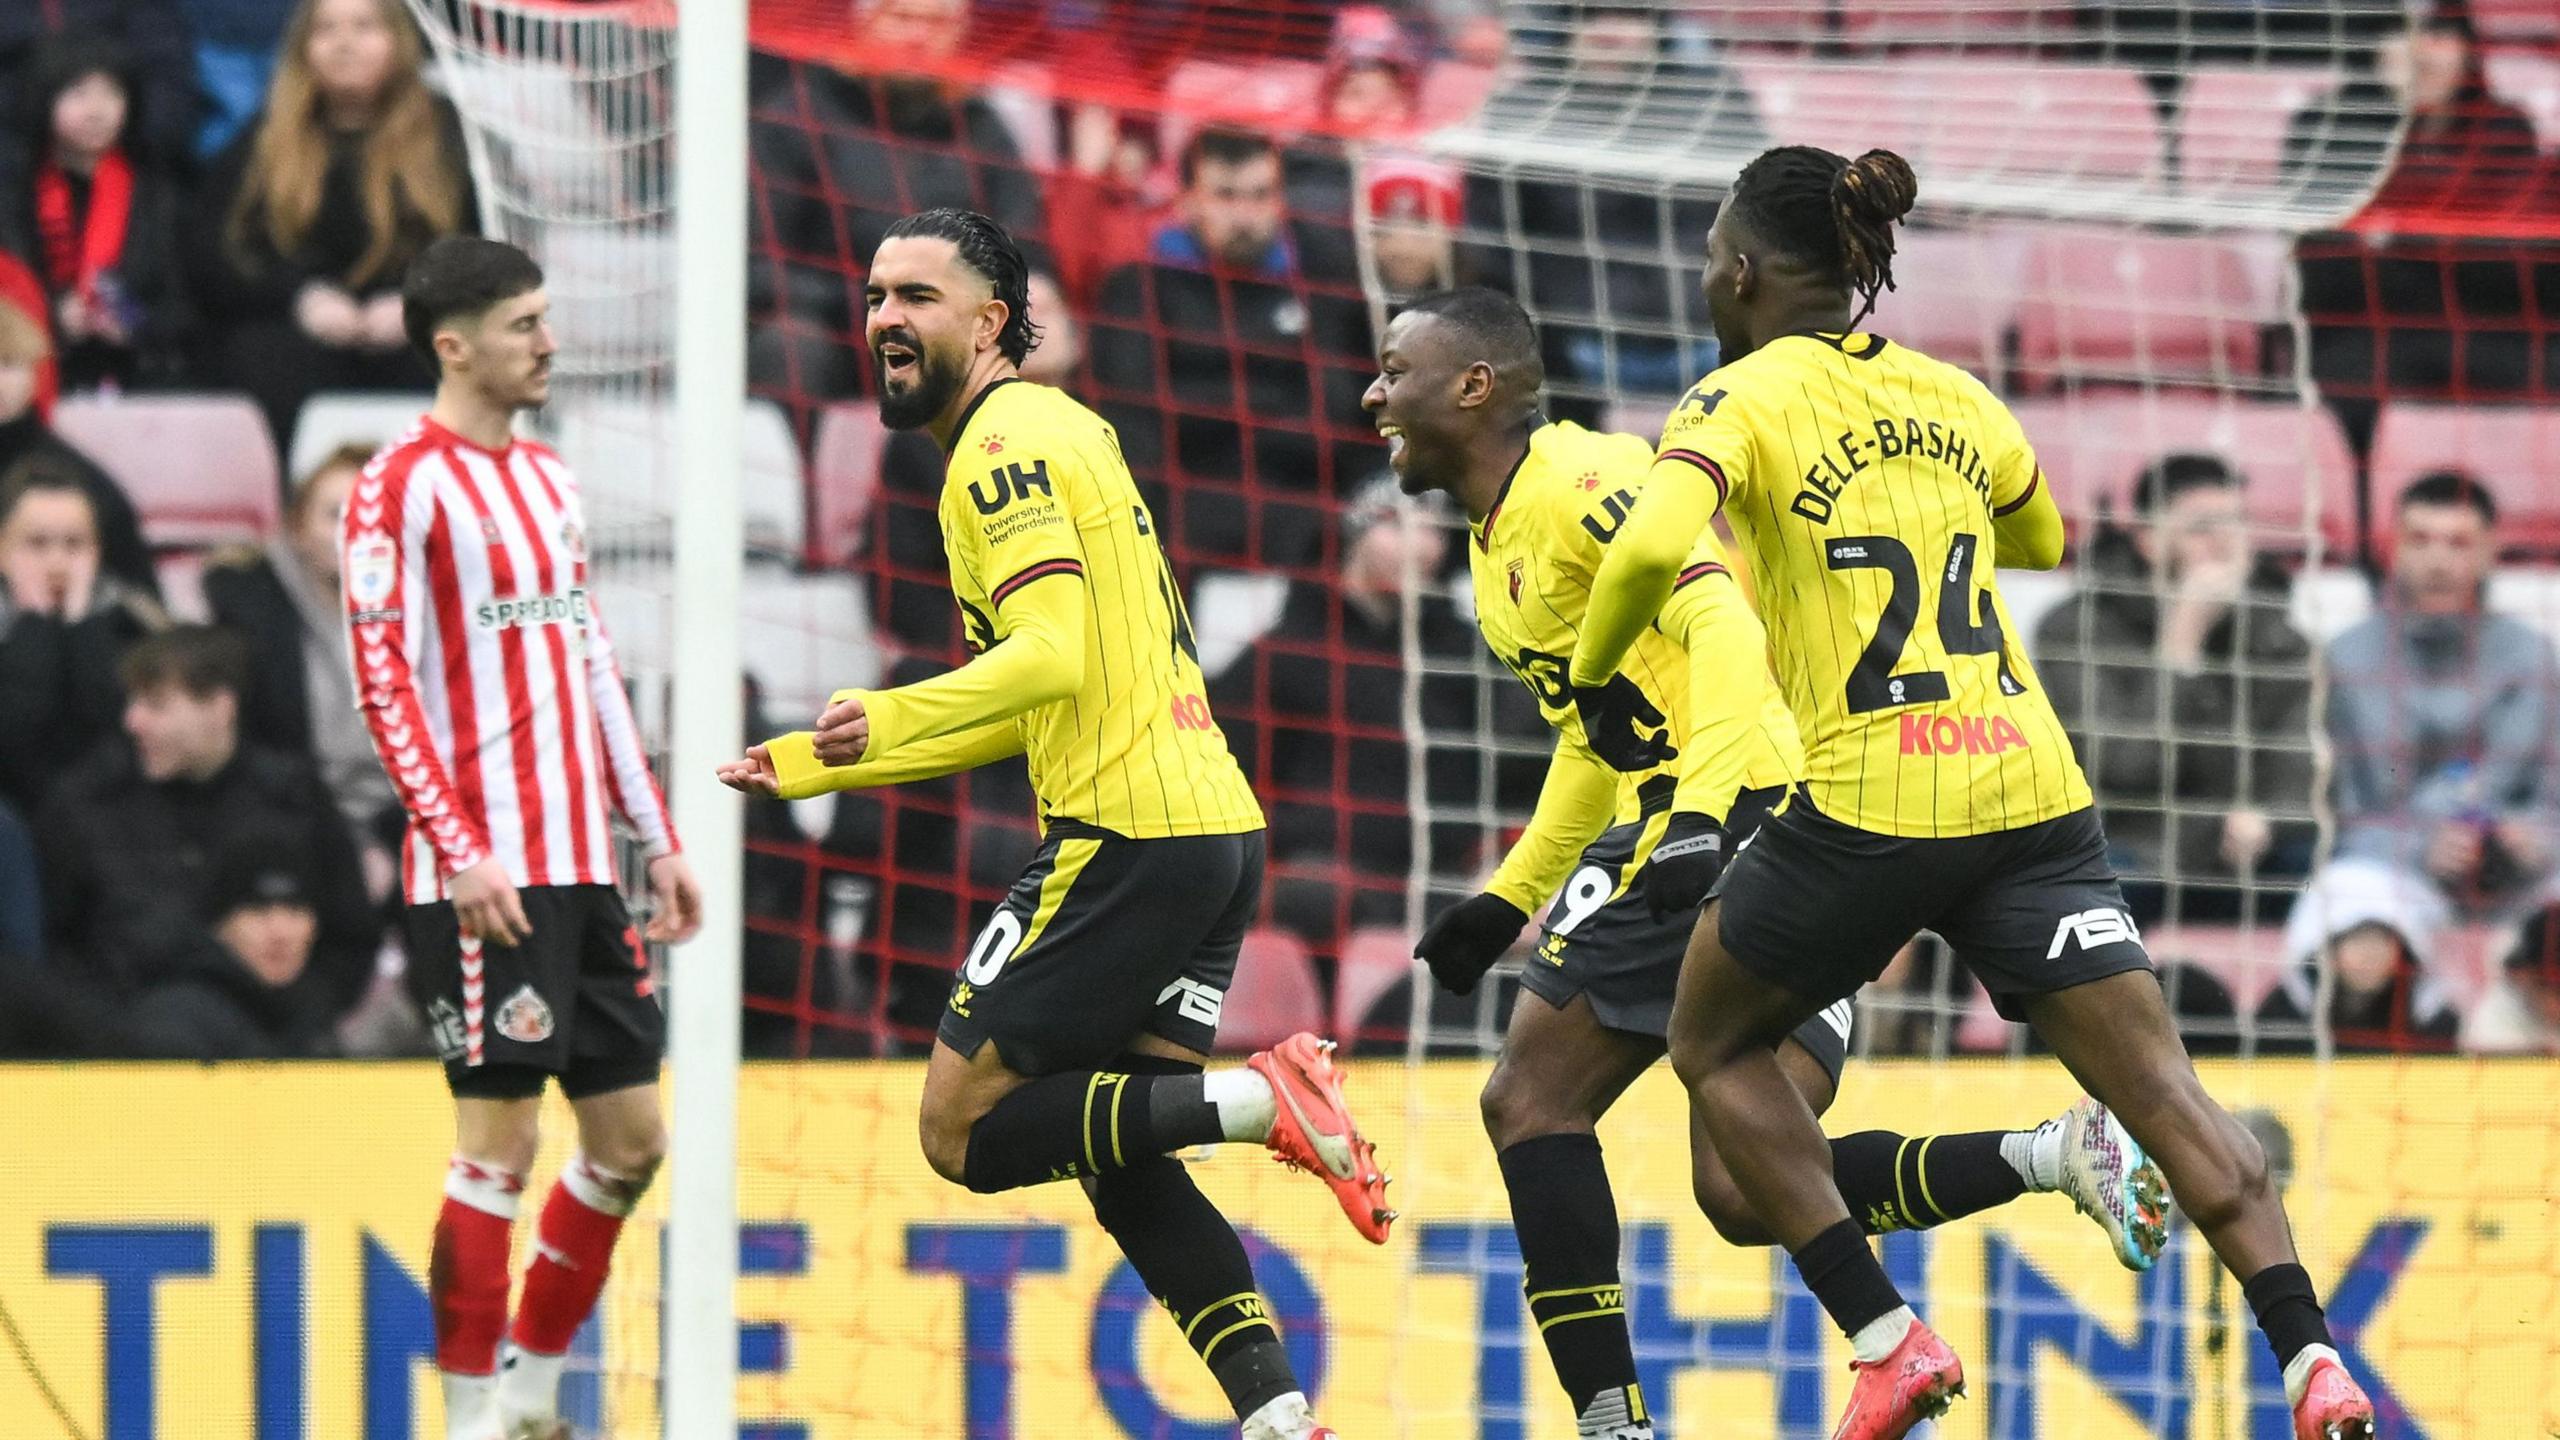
(1877, 186)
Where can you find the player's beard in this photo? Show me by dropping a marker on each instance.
(938, 377)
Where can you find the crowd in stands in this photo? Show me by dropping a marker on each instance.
(196, 840)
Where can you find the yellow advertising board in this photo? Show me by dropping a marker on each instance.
(240, 1252)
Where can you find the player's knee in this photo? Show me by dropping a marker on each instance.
(633, 1151)
(1514, 1110)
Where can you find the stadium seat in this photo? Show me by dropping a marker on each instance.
(624, 451)
(1895, 22)
(1955, 295)
(200, 468)
(2094, 445)
(2520, 20)
(1453, 91)
(804, 636)
(2531, 81)
(2327, 599)
(844, 480)
(1272, 95)
(1373, 960)
(2515, 452)
(349, 417)
(2232, 124)
(2149, 308)
(2530, 593)
(2248, 960)
(1275, 994)
(1970, 121)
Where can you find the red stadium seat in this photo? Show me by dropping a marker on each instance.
(2232, 123)
(2094, 446)
(1373, 960)
(1275, 994)
(2094, 125)
(844, 480)
(1955, 296)
(2148, 308)
(1272, 95)
(2528, 20)
(1889, 22)
(200, 468)
(2514, 452)
(1970, 120)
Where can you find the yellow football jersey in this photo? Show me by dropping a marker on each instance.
(1532, 558)
(1861, 479)
(1037, 492)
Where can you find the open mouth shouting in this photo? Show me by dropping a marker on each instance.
(899, 357)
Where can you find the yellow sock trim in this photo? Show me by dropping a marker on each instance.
(1923, 1167)
(1211, 1308)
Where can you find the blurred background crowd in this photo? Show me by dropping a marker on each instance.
(2314, 741)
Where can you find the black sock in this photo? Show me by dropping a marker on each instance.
(1896, 1182)
(1087, 1122)
(2288, 1310)
(1845, 1276)
(1192, 1262)
(1568, 1226)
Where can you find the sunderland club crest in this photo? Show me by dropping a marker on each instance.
(525, 1017)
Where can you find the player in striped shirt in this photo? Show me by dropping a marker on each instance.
(1871, 489)
(1075, 1040)
(489, 686)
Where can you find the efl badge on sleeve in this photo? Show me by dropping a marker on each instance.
(525, 1017)
(373, 564)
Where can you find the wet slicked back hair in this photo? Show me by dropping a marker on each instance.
(989, 249)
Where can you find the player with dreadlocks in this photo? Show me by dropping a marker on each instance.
(1871, 489)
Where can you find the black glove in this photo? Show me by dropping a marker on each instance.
(1467, 938)
(1613, 715)
(1684, 866)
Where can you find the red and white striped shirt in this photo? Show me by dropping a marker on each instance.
(484, 673)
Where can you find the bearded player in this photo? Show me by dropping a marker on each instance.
(1078, 1028)
(1457, 396)
(1871, 489)
(489, 687)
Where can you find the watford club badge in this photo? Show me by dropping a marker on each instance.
(525, 1017)
(1519, 569)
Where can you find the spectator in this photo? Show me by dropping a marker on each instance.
(2520, 1012)
(2441, 716)
(283, 602)
(154, 33)
(2188, 696)
(1371, 90)
(207, 886)
(21, 899)
(63, 623)
(2384, 1002)
(1231, 381)
(24, 434)
(97, 217)
(2462, 143)
(1315, 709)
(311, 217)
(1114, 184)
(1412, 212)
(837, 158)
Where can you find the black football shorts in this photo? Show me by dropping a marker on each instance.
(1104, 939)
(1601, 941)
(1820, 907)
(575, 1000)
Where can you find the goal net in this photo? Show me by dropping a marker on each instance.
(2182, 241)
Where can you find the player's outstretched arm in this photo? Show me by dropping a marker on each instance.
(791, 764)
(1643, 561)
(1038, 659)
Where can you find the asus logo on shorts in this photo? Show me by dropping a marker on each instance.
(2092, 929)
(1199, 1002)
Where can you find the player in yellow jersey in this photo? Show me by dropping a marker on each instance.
(1077, 1034)
(1457, 397)
(1871, 489)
